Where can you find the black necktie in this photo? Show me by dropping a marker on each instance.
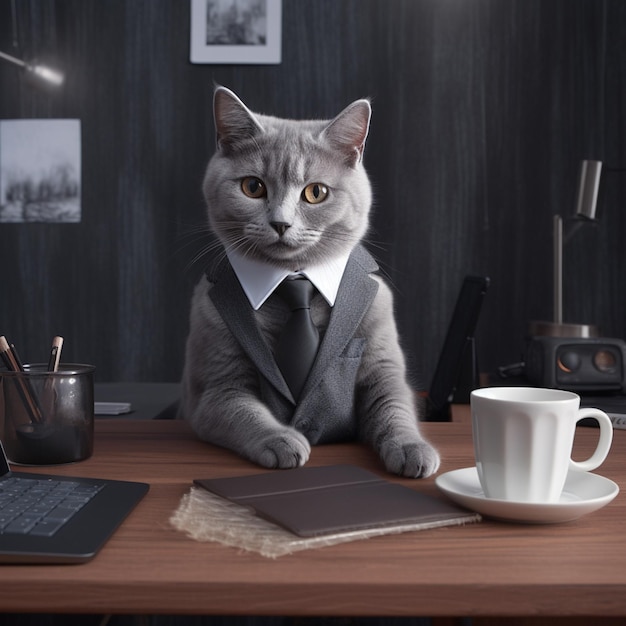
(298, 342)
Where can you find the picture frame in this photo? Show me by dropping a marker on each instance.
(40, 170)
(236, 31)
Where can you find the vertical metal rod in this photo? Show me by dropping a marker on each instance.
(557, 269)
(14, 24)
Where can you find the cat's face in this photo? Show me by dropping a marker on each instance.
(289, 193)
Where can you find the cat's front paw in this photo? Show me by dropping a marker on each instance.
(284, 450)
(414, 460)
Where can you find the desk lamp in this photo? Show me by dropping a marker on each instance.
(585, 213)
(41, 71)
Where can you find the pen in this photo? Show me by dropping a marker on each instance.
(55, 354)
(14, 364)
(16, 356)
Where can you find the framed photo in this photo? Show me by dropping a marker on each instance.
(40, 170)
(236, 31)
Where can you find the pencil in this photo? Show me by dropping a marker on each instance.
(14, 364)
(7, 355)
(4, 353)
(29, 388)
(55, 354)
(16, 356)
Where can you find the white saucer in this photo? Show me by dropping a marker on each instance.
(583, 493)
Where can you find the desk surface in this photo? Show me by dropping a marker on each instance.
(489, 568)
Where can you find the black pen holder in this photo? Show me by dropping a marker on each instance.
(47, 417)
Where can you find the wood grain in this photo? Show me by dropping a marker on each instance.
(486, 569)
(482, 113)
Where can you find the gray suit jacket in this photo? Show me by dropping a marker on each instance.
(325, 411)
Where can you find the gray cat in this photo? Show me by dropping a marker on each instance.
(287, 197)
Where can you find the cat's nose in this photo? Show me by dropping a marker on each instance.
(280, 227)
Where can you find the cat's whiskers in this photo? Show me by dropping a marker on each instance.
(232, 239)
(189, 239)
(373, 243)
(192, 239)
(195, 231)
(205, 251)
(242, 245)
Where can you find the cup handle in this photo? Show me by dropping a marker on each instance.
(604, 443)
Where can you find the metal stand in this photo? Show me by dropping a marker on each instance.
(557, 328)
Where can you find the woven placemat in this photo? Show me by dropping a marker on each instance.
(204, 516)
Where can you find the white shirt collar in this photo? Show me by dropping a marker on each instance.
(260, 279)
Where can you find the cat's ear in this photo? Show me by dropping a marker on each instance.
(348, 131)
(234, 121)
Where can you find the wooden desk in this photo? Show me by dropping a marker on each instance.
(485, 569)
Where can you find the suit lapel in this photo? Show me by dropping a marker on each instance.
(356, 293)
(232, 304)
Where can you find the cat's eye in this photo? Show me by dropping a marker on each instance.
(253, 187)
(315, 193)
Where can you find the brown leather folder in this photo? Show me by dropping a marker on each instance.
(312, 501)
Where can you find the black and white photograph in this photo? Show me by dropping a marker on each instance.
(236, 31)
(40, 170)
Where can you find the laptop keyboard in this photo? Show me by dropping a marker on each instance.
(41, 507)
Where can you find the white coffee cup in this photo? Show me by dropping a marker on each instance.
(523, 439)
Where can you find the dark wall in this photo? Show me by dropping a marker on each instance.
(483, 111)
